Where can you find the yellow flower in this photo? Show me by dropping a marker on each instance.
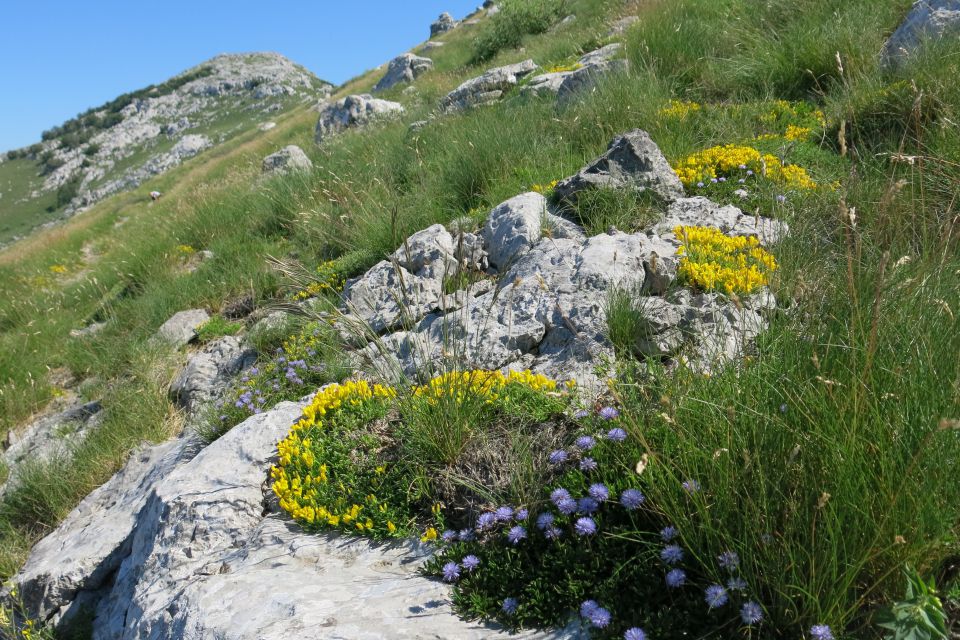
(678, 109)
(429, 536)
(58, 269)
(717, 262)
(391, 527)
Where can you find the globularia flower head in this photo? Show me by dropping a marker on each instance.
(634, 633)
(516, 534)
(599, 492)
(668, 533)
(559, 494)
(672, 554)
(781, 198)
(587, 607)
(585, 443)
(466, 535)
(609, 413)
(716, 596)
(509, 606)
(676, 578)
(504, 514)
(558, 457)
(587, 505)
(485, 521)
(729, 560)
(521, 515)
(599, 617)
(588, 464)
(470, 562)
(567, 506)
(585, 526)
(751, 613)
(617, 434)
(821, 632)
(451, 571)
(544, 520)
(581, 414)
(449, 536)
(737, 584)
(552, 532)
(631, 499)
(691, 486)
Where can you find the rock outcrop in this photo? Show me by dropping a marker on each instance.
(487, 88)
(182, 327)
(353, 111)
(927, 20)
(442, 24)
(632, 161)
(403, 69)
(209, 371)
(589, 69)
(290, 158)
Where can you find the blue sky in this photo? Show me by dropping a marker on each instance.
(60, 58)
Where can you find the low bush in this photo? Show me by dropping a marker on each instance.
(515, 20)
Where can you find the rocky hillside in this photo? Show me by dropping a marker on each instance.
(118, 145)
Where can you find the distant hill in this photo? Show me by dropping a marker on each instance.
(118, 145)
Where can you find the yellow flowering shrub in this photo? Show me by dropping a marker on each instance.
(731, 160)
(561, 68)
(544, 189)
(713, 261)
(480, 384)
(679, 110)
(185, 249)
(328, 280)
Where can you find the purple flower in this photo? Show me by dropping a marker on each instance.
(737, 584)
(581, 414)
(742, 166)
(588, 464)
(559, 494)
(516, 534)
(470, 562)
(722, 179)
(729, 560)
(503, 514)
(617, 434)
(716, 596)
(691, 486)
(672, 554)
(521, 515)
(599, 617)
(449, 536)
(634, 633)
(599, 492)
(608, 413)
(700, 184)
(821, 632)
(567, 506)
(558, 457)
(751, 613)
(467, 535)
(587, 505)
(585, 526)
(485, 521)
(781, 198)
(749, 172)
(631, 499)
(509, 606)
(552, 533)
(668, 533)
(585, 443)
(588, 607)
(676, 578)
(544, 520)
(713, 180)
(451, 571)
(742, 181)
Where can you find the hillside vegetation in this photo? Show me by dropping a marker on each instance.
(825, 463)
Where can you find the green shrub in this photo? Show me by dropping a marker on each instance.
(515, 20)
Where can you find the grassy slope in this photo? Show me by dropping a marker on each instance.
(18, 178)
(372, 188)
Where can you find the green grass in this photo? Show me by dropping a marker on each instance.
(19, 214)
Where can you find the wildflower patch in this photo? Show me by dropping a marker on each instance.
(714, 261)
(740, 164)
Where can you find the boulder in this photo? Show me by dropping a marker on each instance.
(488, 87)
(589, 69)
(353, 111)
(728, 219)
(182, 327)
(513, 227)
(442, 24)
(927, 20)
(404, 68)
(632, 161)
(209, 371)
(290, 158)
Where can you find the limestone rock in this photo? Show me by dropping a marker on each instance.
(404, 68)
(442, 24)
(927, 20)
(590, 68)
(353, 111)
(266, 126)
(487, 88)
(728, 219)
(209, 371)
(290, 158)
(513, 227)
(632, 161)
(620, 26)
(182, 327)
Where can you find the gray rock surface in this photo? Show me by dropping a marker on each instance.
(442, 24)
(591, 67)
(404, 68)
(927, 20)
(182, 327)
(353, 111)
(632, 161)
(290, 158)
(487, 88)
(619, 27)
(513, 227)
(209, 371)
(184, 545)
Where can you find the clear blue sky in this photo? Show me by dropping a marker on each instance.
(59, 58)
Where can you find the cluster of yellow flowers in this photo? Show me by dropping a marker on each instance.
(185, 249)
(723, 161)
(480, 383)
(58, 269)
(327, 280)
(544, 188)
(796, 133)
(784, 111)
(714, 261)
(560, 68)
(678, 109)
